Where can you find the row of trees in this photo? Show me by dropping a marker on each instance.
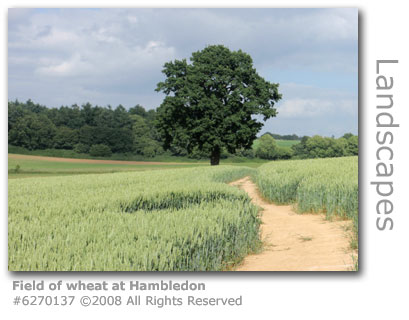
(86, 129)
(309, 147)
(284, 136)
(325, 147)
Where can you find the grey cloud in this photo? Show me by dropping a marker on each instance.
(115, 56)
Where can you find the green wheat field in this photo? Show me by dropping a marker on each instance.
(185, 219)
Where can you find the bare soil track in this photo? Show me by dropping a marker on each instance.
(71, 160)
(296, 242)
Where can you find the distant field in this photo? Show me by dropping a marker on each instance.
(287, 143)
(38, 166)
(280, 143)
(33, 166)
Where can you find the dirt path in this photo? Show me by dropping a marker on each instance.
(294, 242)
(55, 159)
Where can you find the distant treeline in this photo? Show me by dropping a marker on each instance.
(101, 131)
(308, 147)
(84, 129)
(284, 137)
(325, 147)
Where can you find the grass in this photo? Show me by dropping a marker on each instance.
(329, 186)
(280, 143)
(26, 168)
(34, 167)
(133, 220)
(287, 143)
(165, 220)
(316, 185)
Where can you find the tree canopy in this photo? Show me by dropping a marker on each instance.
(325, 147)
(211, 102)
(79, 128)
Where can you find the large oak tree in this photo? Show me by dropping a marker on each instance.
(211, 102)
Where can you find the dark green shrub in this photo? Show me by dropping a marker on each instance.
(81, 148)
(247, 153)
(149, 151)
(284, 153)
(100, 150)
(267, 148)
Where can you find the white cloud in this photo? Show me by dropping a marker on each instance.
(304, 108)
(108, 61)
(308, 108)
(71, 67)
(307, 101)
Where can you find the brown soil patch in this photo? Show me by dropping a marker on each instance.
(28, 157)
(296, 242)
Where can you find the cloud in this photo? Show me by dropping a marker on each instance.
(304, 108)
(314, 109)
(315, 39)
(307, 101)
(93, 64)
(307, 108)
(115, 56)
(74, 66)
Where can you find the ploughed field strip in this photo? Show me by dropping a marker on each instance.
(91, 161)
(184, 219)
(295, 242)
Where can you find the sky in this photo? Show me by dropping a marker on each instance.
(115, 56)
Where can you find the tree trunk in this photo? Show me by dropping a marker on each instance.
(215, 157)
